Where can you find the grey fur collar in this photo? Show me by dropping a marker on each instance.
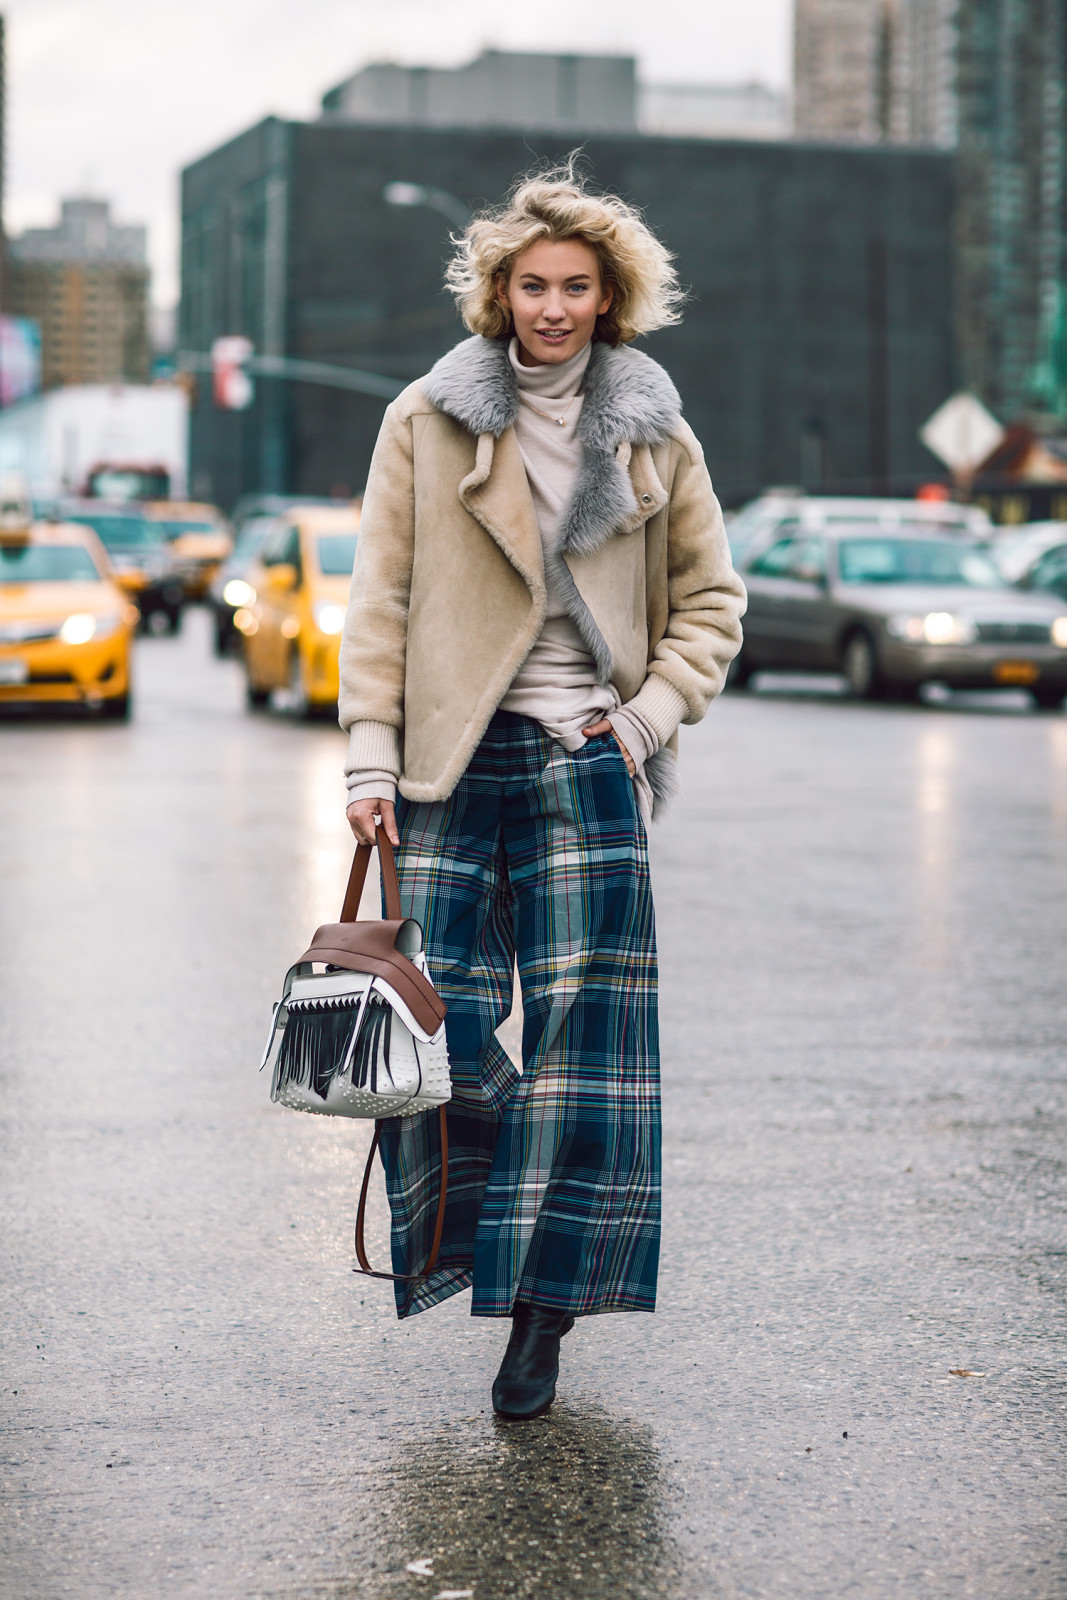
(629, 399)
(628, 396)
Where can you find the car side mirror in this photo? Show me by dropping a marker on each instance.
(281, 577)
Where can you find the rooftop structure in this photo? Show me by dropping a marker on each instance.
(579, 94)
(85, 234)
(499, 89)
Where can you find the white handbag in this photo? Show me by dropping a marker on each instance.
(359, 1030)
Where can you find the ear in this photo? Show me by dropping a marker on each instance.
(502, 290)
(609, 295)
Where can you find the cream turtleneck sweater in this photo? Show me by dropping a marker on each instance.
(557, 683)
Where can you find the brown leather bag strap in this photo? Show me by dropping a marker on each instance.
(358, 877)
(439, 1226)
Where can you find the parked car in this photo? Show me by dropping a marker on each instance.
(791, 511)
(199, 538)
(1048, 573)
(65, 625)
(230, 590)
(292, 629)
(139, 555)
(895, 610)
(1015, 550)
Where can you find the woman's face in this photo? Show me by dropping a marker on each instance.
(555, 294)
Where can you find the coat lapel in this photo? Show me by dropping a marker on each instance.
(497, 495)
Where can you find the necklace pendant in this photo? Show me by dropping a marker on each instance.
(561, 422)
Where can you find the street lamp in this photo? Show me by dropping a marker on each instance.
(421, 194)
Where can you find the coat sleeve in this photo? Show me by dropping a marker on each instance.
(705, 597)
(374, 641)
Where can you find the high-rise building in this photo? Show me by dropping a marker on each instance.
(85, 283)
(1011, 214)
(875, 71)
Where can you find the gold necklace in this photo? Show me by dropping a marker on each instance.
(561, 422)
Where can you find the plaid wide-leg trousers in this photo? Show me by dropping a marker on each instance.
(538, 859)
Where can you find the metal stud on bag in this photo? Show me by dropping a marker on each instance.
(359, 1030)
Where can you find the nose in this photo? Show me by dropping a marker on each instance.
(554, 309)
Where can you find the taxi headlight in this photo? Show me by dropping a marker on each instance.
(329, 618)
(81, 626)
(936, 627)
(1059, 632)
(239, 593)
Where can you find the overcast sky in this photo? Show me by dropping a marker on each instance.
(113, 97)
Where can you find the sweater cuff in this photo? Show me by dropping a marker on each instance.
(373, 747)
(371, 786)
(661, 705)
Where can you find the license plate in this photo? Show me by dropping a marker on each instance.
(14, 670)
(1023, 672)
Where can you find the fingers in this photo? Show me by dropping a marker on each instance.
(387, 812)
(360, 816)
(606, 727)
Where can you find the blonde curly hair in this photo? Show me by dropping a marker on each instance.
(556, 205)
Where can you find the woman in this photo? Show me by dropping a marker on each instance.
(542, 593)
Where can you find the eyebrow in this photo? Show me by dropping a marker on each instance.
(575, 277)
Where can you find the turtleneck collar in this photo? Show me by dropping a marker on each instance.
(556, 382)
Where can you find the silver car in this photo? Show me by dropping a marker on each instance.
(893, 611)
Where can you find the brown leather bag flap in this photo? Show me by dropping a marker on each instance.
(371, 947)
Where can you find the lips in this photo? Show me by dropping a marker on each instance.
(554, 335)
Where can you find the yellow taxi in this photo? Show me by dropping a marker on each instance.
(199, 538)
(293, 607)
(65, 625)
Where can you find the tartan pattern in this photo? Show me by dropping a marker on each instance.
(538, 855)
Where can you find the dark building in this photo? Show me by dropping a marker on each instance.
(816, 342)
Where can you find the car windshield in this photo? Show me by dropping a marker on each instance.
(46, 563)
(923, 561)
(337, 552)
(251, 537)
(118, 533)
(174, 530)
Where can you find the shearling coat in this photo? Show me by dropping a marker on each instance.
(448, 592)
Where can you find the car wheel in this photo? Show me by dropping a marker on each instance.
(860, 667)
(117, 709)
(255, 698)
(1048, 699)
(174, 618)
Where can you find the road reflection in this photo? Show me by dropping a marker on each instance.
(570, 1507)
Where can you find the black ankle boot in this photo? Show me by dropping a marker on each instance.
(526, 1383)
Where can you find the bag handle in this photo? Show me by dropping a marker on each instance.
(358, 877)
(349, 912)
(439, 1225)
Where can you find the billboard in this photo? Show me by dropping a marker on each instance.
(20, 359)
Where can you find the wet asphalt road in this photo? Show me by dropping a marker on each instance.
(861, 915)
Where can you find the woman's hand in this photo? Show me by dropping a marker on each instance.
(361, 814)
(605, 727)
